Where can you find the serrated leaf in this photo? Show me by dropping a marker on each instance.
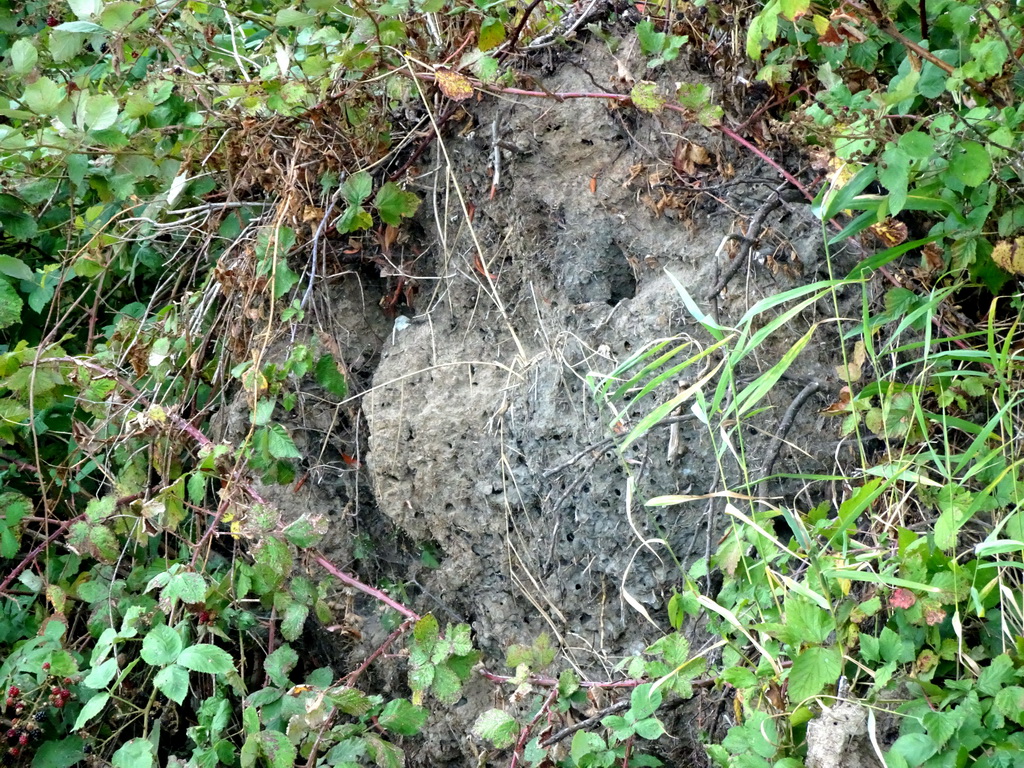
(351, 701)
(23, 56)
(185, 586)
(462, 642)
(420, 678)
(307, 531)
(330, 376)
(136, 753)
(645, 97)
(172, 682)
(402, 717)
(293, 621)
(205, 658)
(279, 664)
(644, 701)
(650, 729)
(85, 9)
(291, 17)
(812, 670)
(453, 85)
(393, 204)
(446, 685)
(496, 726)
(10, 310)
(14, 267)
(426, 632)
(492, 34)
(43, 96)
(161, 646)
(357, 187)
(100, 111)
(90, 709)
(280, 443)
(277, 749)
(971, 163)
(80, 27)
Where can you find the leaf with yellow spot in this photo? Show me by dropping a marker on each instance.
(453, 85)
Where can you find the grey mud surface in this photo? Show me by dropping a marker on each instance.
(479, 439)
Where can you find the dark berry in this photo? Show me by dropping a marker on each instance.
(12, 734)
(13, 690)
(14, 751)
(87, 748)
(52, 21)
(23, 739)
(46, 666)
(40, 716)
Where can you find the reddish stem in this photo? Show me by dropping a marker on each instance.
(332, 569)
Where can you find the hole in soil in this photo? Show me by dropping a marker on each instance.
(588, 142)
(620, 278)
(579, 587)
(570, 537)
(616, 491)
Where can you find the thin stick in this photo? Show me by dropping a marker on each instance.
(747, 242)
(785, 425)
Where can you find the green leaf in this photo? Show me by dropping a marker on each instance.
(290, 17)
(646, 98)
(136, 753)
(43, 96)
(208, 659)
(172, 682)
(284, 279)
(16, 268)
(915, 748)
(446, 684)
(330, 377)
(895, 176)
(279, 664)
(496, 726)
(403, 717)
(23, 56)
(100, 111)
(741, 677)
(280, 443)
(85, 9)
(644, 701)
(90, 709)
(492, 34)
(426, 631)
(59, 754)
(997, 675)
(794, 9)
(650, 729)
(652, 42)
(276, 747)
(585, 743)
(80, 27)
(1010, 703)
(161, 646)
(812, 670)
(307, 531)
(354, 219)
(185, 586)
(393, 203)
(917, 145)
(10, 309)
(100, 676)
(357, 187)
(970, 163)
(293, 621)
(350, 701)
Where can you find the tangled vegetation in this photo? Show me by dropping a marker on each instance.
(169, 173)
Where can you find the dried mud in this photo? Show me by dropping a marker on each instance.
(481, 445)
